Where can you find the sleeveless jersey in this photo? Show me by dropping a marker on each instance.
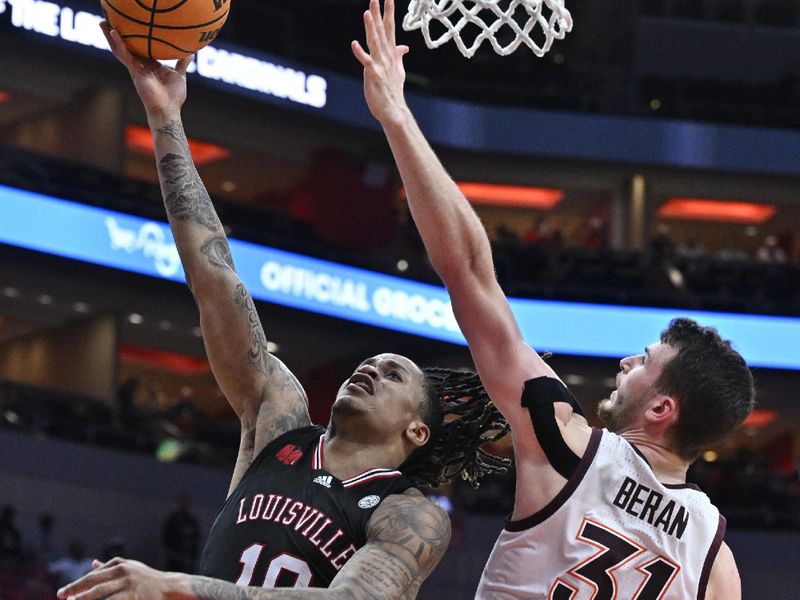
(614, 531)
(290, 523)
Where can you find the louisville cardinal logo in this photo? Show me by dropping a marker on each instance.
(289, 454)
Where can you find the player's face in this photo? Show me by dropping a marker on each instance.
(636, 384)
(387, 389)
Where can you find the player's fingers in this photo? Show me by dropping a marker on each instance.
(183, 64)
(117, 560)
(360, 53)
(104, 573)
(134, 64)
(377, 19)
(102, 591)
(96, 564)
(388, 20)
(403, 50)
(74, 588)
(115, 42)
(373, 42)
(105, 27)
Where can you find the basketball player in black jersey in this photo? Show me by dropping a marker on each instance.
(307, 507)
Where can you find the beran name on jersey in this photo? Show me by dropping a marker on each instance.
(648, 505)
(306, 520)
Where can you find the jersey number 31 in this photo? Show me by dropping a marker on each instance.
(615, 551)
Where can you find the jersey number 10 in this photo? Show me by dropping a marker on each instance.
(278, 564)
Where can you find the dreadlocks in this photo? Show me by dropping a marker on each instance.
(461, 418)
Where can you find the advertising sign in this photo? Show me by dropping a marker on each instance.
(138, 245)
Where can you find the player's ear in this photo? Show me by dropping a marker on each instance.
(662, 409)
(418, 433)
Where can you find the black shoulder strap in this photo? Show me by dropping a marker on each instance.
(538, 397)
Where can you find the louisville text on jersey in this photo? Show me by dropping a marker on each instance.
(306, 520)
(646, 504)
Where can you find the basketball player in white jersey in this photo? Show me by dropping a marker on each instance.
(598, 514)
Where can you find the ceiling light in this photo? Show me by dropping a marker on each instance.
(511, 195)
(197, 332)
(517, 196)
(760, 417)
(402, 265)
(135, 319)
(169, 450)
(709, 209)
(655, 104)
(272, 347)
(80, 307)
(710, 456)
(182, 364)
(11, 292)
(140, 139)
(165, 325)
(676, 277)
(45, 299)
(228, 186)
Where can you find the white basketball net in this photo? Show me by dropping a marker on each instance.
(487, 20)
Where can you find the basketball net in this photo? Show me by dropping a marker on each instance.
(488, 20)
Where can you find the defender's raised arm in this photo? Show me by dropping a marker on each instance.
(265, 395)
(454, 237)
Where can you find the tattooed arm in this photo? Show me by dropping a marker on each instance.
(263, 392)
(406, 538)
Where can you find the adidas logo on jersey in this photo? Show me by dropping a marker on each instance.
(324, 480)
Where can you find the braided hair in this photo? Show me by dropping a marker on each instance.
(461, 418)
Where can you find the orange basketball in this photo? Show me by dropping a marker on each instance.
(166, 29)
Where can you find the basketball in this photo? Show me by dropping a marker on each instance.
(168, 29)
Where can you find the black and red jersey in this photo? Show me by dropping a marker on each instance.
(289, 522)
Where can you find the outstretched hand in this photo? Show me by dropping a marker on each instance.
(122, 579)
(162, 89)
(384, 75)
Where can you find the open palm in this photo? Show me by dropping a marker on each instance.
(384, 74)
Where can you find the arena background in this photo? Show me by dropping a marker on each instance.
(108, 411)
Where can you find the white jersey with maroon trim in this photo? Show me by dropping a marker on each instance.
(613, 532)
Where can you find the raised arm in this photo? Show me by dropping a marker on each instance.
(454, 237)
(407, 537)
(263, 393)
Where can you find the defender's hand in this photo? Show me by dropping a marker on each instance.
(384, 75)
(121, 579)
(162, 90)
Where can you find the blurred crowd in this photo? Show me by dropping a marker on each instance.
(33, 565)
(667, 272)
